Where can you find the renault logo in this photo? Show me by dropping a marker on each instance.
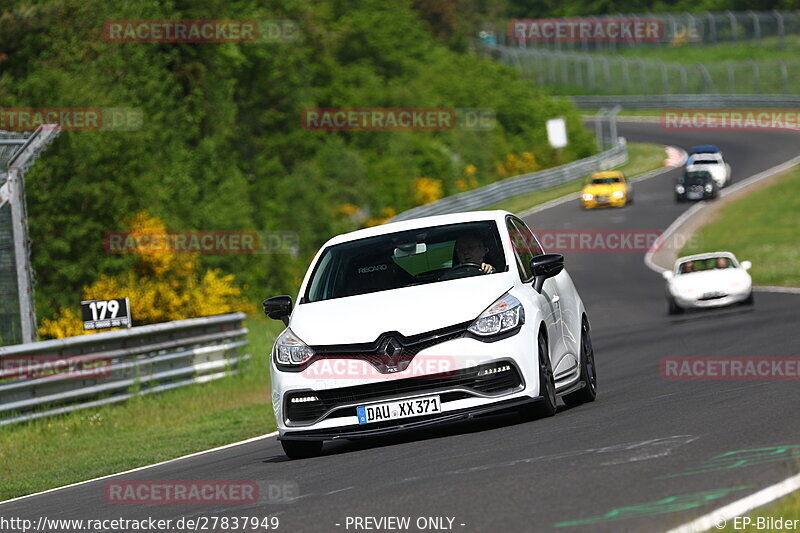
(390, 347)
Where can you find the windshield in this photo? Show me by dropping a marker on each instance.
(604, 181)
(407, 258)
(711, 263)
(697, 176)
(705, 162)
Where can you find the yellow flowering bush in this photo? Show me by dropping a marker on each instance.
(161, 287)
(515, 165)
(427, 190)
(386, 214)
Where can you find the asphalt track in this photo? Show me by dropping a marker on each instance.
(640, 458)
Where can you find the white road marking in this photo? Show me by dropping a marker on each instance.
(740, 507)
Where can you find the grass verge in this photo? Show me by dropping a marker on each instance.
(787, 508)
(642, 158)
(60, 450)
(762, 228)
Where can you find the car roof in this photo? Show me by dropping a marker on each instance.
(704, 149)
(423, 222)
(707, 255)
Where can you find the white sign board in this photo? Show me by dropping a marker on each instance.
(557, 132)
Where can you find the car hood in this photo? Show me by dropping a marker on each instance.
(709, 281)
(409, 311)
(604, 189)
(714, 168)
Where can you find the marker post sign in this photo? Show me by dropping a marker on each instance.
(103, 314)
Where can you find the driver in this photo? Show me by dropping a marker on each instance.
(470, 249)
(722, 262)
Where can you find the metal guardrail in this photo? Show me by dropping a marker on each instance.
(502, 190)
(689, 101)
(121, 364)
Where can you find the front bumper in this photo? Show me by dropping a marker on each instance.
(391, 427)
(729, 298)
(610, 202)
(460, 389)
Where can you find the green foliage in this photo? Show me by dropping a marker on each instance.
(221, 146)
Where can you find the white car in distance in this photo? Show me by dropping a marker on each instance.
(417, 323)
(708, 280)
(712, 162)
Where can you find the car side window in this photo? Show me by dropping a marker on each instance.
(526, 247)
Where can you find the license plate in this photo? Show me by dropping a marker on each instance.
(602, 199)
(694, 195)
(398, 409)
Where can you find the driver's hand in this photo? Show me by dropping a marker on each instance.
(486, 268)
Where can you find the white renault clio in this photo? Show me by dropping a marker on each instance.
(423, 322)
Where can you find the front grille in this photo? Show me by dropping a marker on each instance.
(492, 384)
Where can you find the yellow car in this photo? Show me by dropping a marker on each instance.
(609, 188)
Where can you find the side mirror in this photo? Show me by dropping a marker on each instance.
(546, 266)
(747, 265)
(278, 308)
(667, 275)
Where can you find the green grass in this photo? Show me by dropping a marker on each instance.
(787, 508)
(761, 227)
(690, 54)
(59, 450)
(642, 158)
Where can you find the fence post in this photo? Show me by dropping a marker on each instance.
(612, 124)
(784, 76)
(756, 78)
(598, 129)
(731, 78)
(734, 25)
(626, 75)
(684, 79)
(643, 75)
(781, 29)
(712, 27)
(664, 76)
(707, 81)
(756, 25)
(590, 71)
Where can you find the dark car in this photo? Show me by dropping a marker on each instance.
(696, 185)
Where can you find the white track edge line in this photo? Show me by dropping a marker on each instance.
(740, 507)
(145, 467)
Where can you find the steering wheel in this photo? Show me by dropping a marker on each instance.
(457, 269)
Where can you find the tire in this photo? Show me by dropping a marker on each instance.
(673, 308)
(678, 198)
(301, 449)
(547, 405)
(588, 372)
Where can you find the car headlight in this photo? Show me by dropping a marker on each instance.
(588, 196)
(679, 189)
(617, 194)
(709, 187)
(505, 314)
(290, 350)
